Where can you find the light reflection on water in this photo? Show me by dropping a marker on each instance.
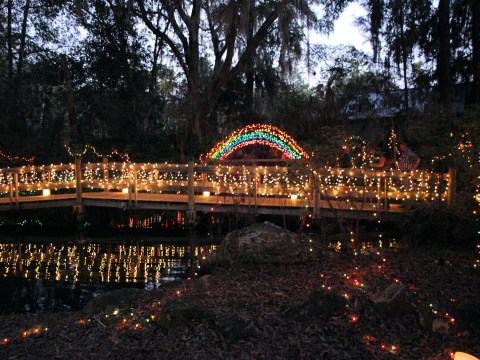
(53, 276)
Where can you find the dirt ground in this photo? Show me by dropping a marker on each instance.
(316, 310)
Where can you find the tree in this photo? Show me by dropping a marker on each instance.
(232, 36)
(465, 45)
(116, 91)
(27, 39)
(401, 27)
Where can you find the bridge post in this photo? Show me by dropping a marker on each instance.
(386, 193)
(249, 188)
(78, 208)
(129, 186)
(379, 193)
(105, 173)
(135, 186)
(78, 178)
(191, 193)
(155, 182)
(452, 185)
(311, 186)
(10, 189)
(255, 189)
(17, 192)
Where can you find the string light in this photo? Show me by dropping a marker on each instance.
(86, 148)
(17, 158)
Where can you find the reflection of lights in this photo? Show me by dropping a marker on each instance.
(111, 263)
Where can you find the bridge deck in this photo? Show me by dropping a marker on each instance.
(214, 203)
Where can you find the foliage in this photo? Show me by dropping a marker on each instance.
(165, 80)
(429, 43)
(438, 225)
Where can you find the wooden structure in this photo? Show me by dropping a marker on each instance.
(256, 187)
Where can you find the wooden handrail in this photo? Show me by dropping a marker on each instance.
(247, 179)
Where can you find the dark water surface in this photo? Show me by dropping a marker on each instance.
(43, 274)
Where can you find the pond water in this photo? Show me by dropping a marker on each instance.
(41, 275)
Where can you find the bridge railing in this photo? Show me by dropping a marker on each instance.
(293, 180)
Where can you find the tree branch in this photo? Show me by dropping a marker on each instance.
(165, 38)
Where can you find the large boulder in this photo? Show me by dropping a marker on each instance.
(394, 300)
(320, 303)
(120, 298)
(260, 244)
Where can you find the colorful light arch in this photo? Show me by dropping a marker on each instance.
(257, 134)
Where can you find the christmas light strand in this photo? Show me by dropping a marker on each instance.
(124, 157)
(17, 158)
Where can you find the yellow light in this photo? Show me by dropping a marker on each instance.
(125, 190)
(46, 192)
(464, 356)
(294, 197)
(206, 193)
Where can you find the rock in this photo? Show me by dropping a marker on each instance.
(467, 315)
(441, 326)
(260, 244)
(326, 304)
(180, 311)
(319, 304)
(114, 299)
(394, 300)
(233, 327)
(203, 283)
(426, 318)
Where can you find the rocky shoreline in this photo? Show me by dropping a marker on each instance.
(388, 304)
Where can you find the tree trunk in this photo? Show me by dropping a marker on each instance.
(196, 116)
(73, 133)
(404, 56)
(23, 36)
(476, 51)
(10, 43)
(249, 70)
(153, 74)
(443, 59)
(18, 96)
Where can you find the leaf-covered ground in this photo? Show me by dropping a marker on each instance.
(266, 312)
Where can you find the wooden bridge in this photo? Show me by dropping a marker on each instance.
(256, 187)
